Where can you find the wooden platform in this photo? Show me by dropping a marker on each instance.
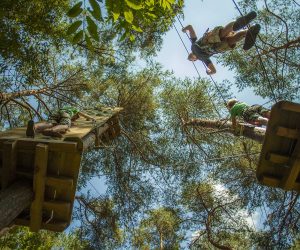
(279, 163)
(53, 166)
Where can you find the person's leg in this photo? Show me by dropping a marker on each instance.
(262, 120)
(224, 32)
(56, 131)
(238, 36)
(30, 129)
(251, 36)
(61, 128)
(243, 21)
(39, 127)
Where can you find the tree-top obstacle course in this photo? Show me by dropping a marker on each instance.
(279, 163)
(39, 175)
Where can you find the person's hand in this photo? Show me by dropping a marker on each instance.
(186, 28)
(209, 72)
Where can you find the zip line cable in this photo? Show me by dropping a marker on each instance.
(259, 56)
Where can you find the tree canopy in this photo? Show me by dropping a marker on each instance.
(167, 185)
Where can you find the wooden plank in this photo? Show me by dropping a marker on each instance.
(278, 158)
(293, 171)
(55, 225)
(53, 145)
(40, 168)
(290, 179)
(287, 132)
(9, 161)
(59, 182)
(290, 106)
(59, 207)
(271, 181)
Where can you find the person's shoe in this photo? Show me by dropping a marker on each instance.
(30, 129)
(251, 36)
(243, 21)
(52, 133)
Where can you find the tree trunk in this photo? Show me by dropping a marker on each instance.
(13, 200)
(10, 96)
(161, 241)
(249, 131)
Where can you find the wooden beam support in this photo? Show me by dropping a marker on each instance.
(290, 106)
(9, 162)
(277, 158)
(271, 181)
(59, 182)
(40, 169)
(287, 132)
(60, 207)
(294, 169)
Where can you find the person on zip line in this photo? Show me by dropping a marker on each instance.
(222, 39)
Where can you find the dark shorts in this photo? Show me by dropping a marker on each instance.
(60, 118)
(253, 112)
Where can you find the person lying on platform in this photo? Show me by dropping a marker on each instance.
(58, 122)
(256, 114)
(222, 39)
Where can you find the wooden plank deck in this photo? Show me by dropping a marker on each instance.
(279, 160)
(53, 167)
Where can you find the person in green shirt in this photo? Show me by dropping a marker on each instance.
(256, 114)
(58, 122)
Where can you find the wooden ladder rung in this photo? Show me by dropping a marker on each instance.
(271, 180)
(290, 106)
(277, 158)
(288, 132)
(59, 182)
(57, 206)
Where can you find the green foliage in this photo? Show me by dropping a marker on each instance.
(75, 10)
(100, 219)
(159, 230)
(21, 238)
(126, 16)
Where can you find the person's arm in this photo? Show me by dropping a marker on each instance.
(211, 69)
(191, 30)
(86, 116)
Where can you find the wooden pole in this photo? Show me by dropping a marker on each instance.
(254, 133)
(13, 200)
